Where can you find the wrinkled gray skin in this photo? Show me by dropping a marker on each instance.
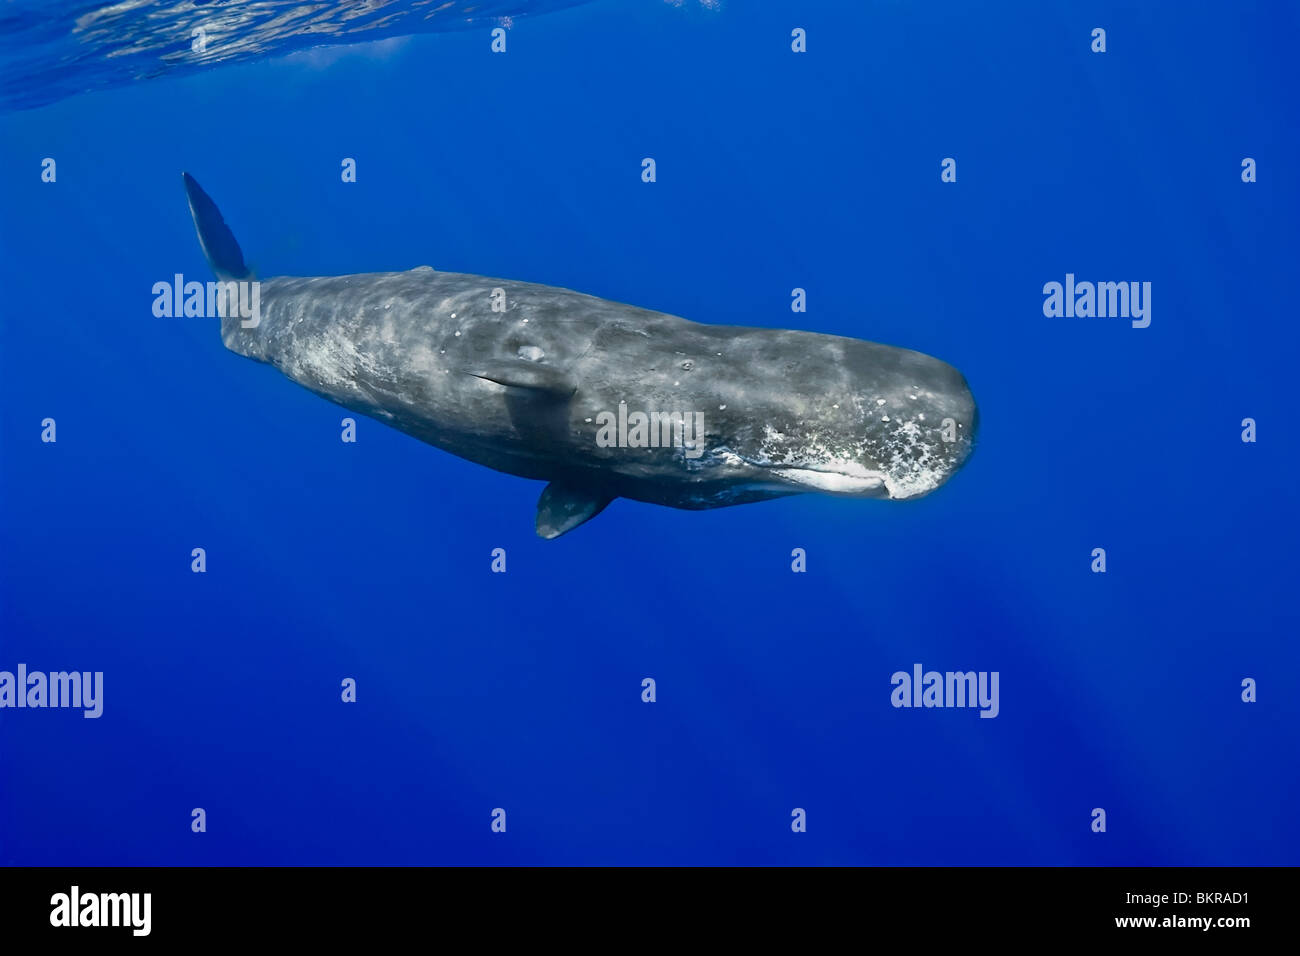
(522, 390)
(784, 412)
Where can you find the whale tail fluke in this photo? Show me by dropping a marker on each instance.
(218, 242)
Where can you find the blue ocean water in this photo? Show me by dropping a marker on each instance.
(522, 691)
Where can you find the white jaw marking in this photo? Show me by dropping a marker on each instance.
(862, 482)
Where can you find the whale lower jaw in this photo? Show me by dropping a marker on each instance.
(863, 484)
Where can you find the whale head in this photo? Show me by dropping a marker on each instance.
(882, 422)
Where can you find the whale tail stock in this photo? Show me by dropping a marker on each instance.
(218, 242)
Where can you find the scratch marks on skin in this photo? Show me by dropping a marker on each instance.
(339, 356)
(893, 457)
(330, 358)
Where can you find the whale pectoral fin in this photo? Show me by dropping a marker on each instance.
(542, 380)
(561, 508)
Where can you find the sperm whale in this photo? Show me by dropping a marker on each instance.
(599, 399)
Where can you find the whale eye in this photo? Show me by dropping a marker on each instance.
(531, 352)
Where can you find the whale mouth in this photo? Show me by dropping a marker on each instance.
(849, 479)
(857, 482)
